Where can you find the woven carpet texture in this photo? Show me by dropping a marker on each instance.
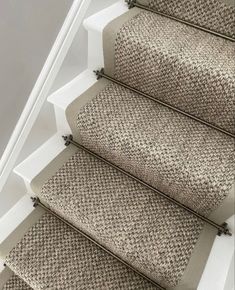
(216, 15)
(179, 156)
(183, 66)
(188, 68)
(15, 283)
(154, 234)
(53, 256)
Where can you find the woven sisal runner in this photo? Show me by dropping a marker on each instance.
(187, 68)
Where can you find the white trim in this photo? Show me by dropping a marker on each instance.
(219, 262)
(38, 160)
(97, 22)
(64, 96)
(95, 25)
(14, 217)
(67, 94)
(2, 267)
(42, 87)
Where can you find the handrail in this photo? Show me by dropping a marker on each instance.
(42, 87)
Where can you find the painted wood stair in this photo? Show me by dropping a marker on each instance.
(142, 206)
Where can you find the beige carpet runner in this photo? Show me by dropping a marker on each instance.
(191, 162)
(181, 65)
(218, 16)
(16, 283)
(183, 158)
(53, 256)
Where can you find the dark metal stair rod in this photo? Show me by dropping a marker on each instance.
(101, 74)
(222, 229)
(133, 3)
(37, 202)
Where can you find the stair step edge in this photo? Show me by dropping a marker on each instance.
(40, 158)
(64, 96)
(99, 20)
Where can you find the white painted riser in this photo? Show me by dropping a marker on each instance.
(65, 96)
(60, 99)
(220, 260)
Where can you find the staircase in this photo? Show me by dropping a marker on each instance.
(139, 194)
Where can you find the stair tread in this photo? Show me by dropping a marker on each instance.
(51, 255)
(16, 283)
(177, 155)
(181, 65)
(187, 68)
(203, 13)
(144, 229)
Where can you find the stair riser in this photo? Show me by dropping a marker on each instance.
(95, 25)
(95, 50)
(63, 97)
(222, 248)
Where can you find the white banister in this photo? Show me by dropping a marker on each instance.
(42, 87)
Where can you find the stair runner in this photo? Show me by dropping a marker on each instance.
(72, 261)
(16, 283)
(187, 68)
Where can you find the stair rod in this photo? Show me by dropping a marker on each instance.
(133, 3)
(101, 73)
(37, 202)
(222, 229)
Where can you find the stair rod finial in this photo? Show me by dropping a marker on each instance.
(35, 201)
(133, 3)
(130, 3)
(222, 229)
(99, 73)
(67, 139)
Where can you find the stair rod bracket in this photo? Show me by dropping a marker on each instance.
(35, 201)
(222, 229)
(131, 3)
(68, 139)
(99, 73)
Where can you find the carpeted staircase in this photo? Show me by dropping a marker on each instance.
(16, 283)
(138, 202)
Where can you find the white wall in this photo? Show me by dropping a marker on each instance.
(44, 127)
(28, 29)
(76, 60)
